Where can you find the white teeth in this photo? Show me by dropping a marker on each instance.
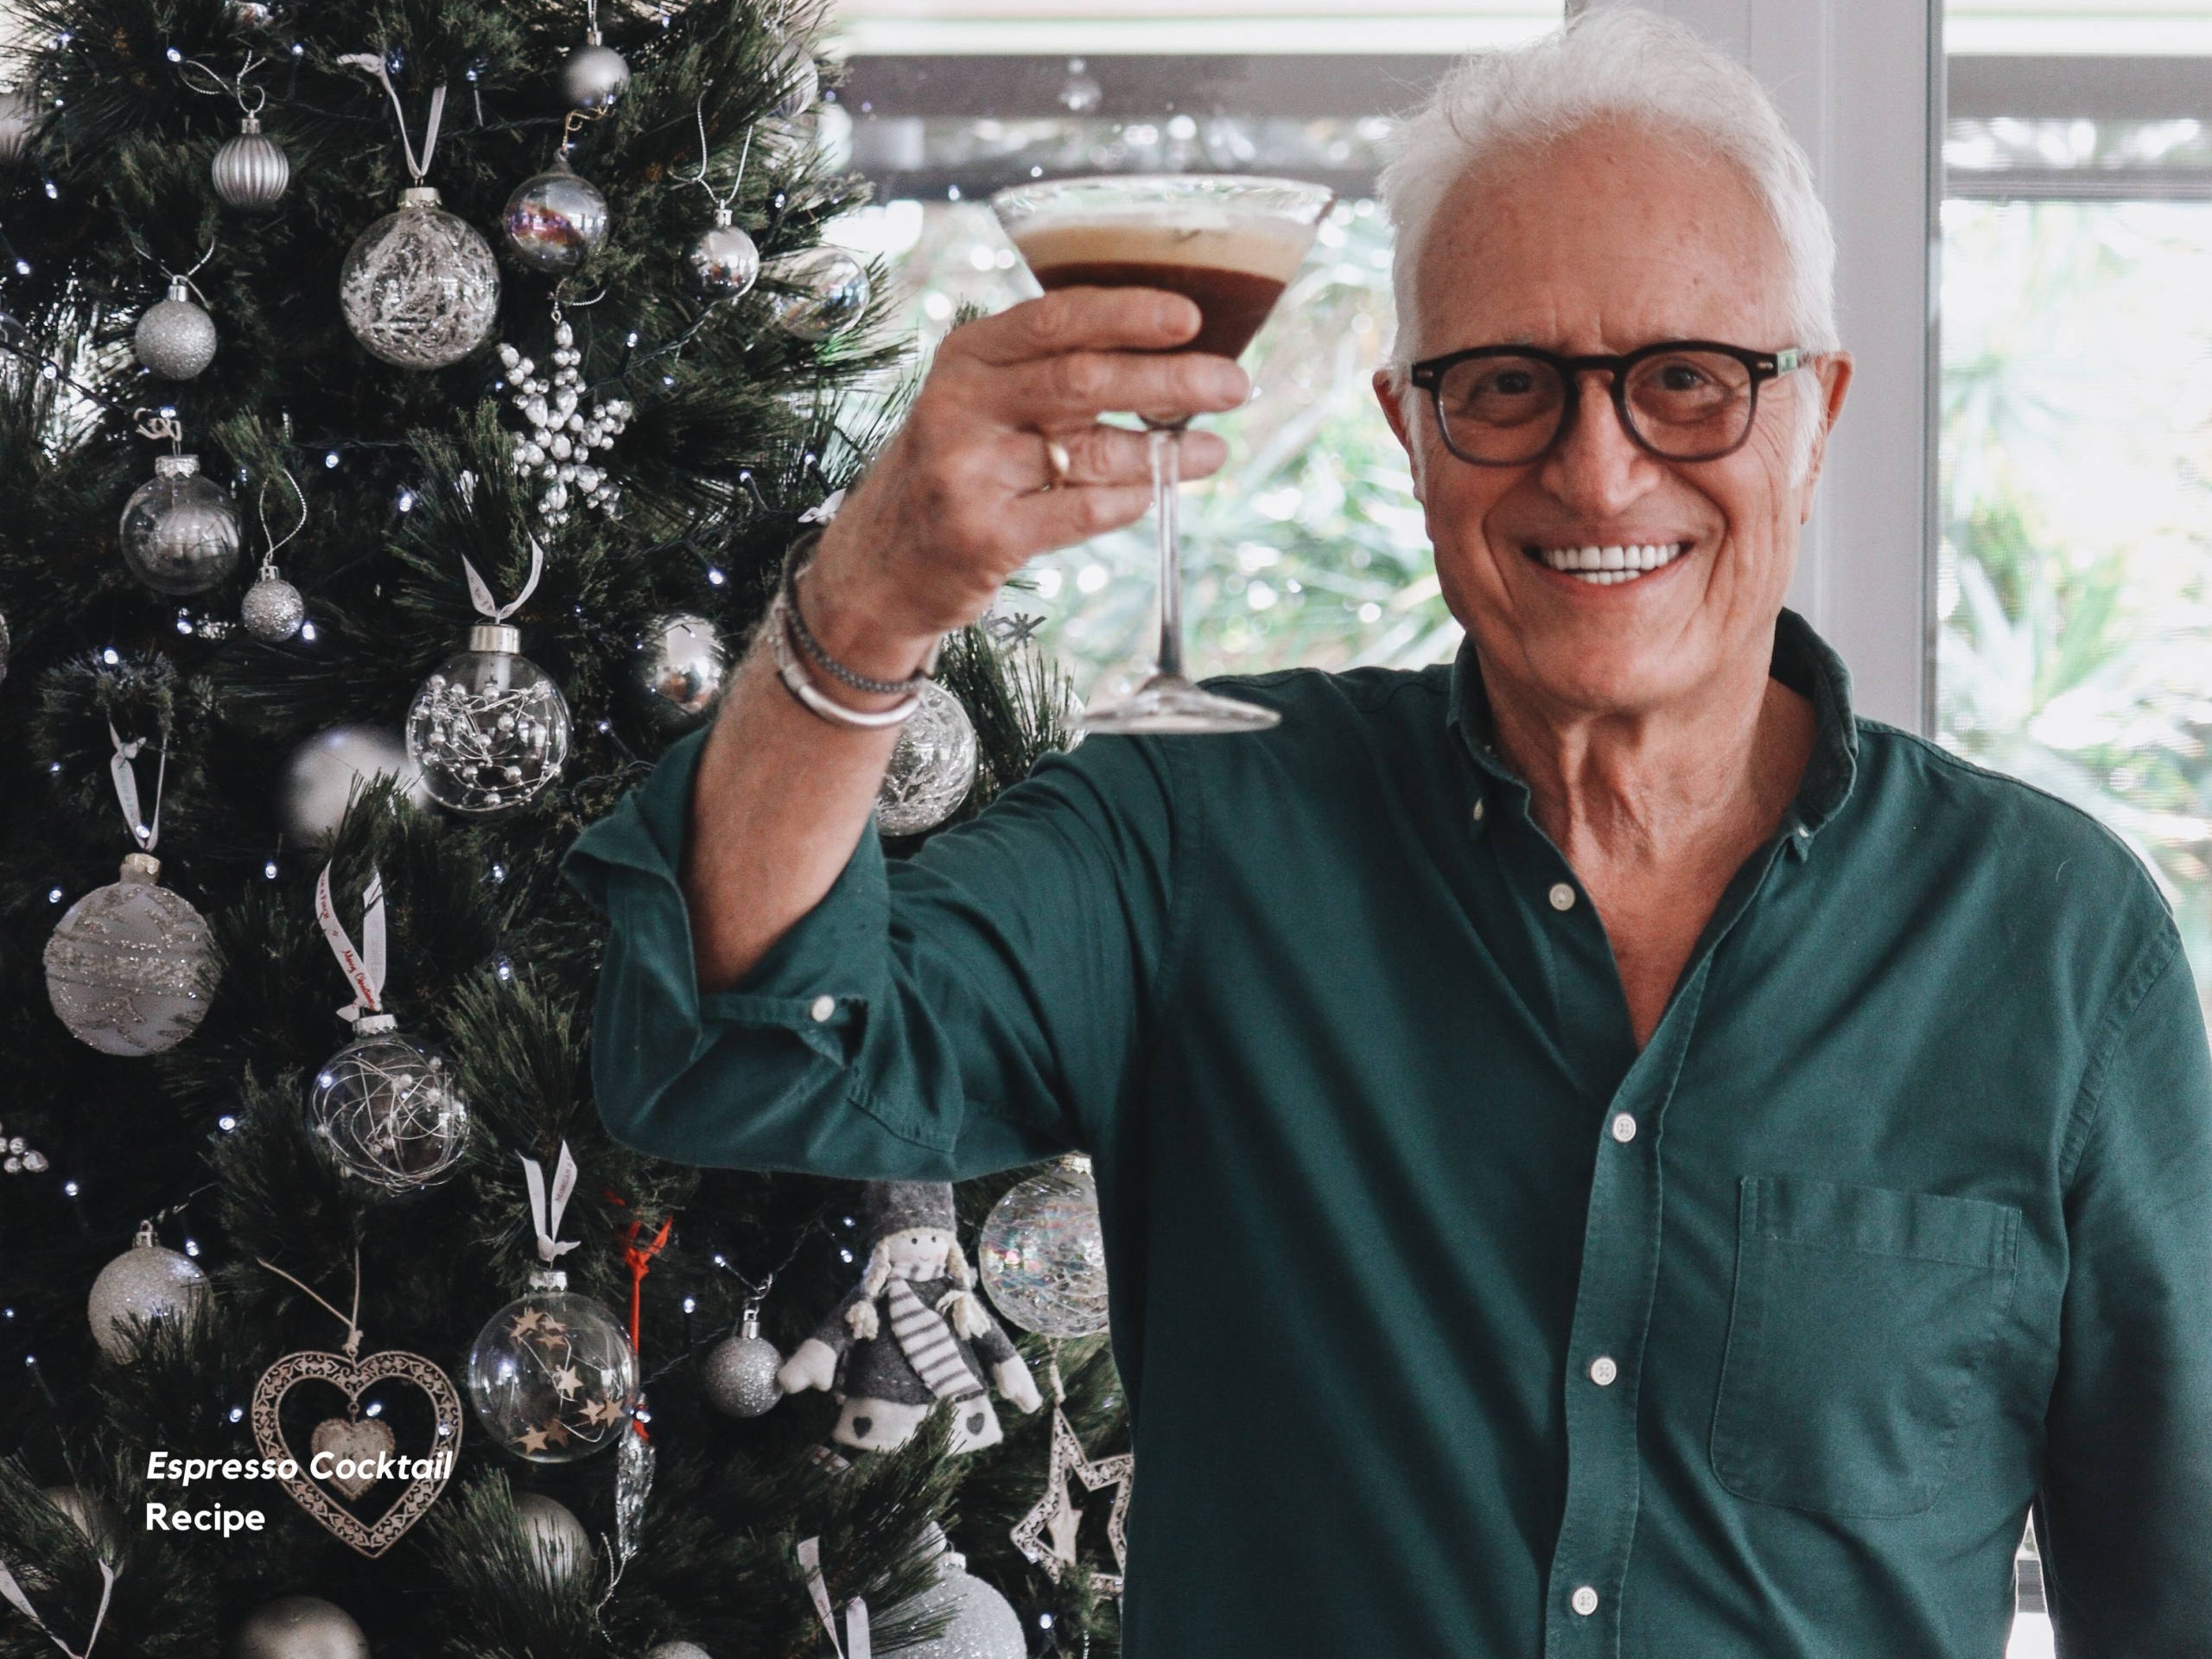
(1602, 567)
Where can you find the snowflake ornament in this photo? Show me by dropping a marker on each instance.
(557, 449)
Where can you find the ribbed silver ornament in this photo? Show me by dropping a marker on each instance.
(251, 170)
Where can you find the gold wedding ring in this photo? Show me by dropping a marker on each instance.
(1057, 462)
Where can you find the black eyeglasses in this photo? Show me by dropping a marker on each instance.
(1679, 400)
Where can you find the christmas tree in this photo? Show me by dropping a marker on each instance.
(404, 412)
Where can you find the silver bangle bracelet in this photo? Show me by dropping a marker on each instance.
(810, 697)
(797, 560)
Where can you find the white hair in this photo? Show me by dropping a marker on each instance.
(1618, 64)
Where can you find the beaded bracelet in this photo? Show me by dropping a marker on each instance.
(797, 561)
(792, 673)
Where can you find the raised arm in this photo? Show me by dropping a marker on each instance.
(957, 502)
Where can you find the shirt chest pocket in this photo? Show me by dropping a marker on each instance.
(1862, 1317)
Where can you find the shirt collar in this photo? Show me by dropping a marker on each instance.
(1802, 661)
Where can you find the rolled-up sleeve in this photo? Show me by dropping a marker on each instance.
(981, 1005)
(2124, 1515)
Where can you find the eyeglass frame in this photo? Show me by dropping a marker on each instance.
(1428, 375)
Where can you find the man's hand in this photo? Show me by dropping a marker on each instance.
(958, 501)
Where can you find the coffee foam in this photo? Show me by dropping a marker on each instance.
(1206, 238)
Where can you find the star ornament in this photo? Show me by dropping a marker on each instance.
(1056, 1516)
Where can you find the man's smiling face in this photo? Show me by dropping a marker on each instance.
(1599, 579)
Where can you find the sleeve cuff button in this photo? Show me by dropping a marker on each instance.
(823, 1007)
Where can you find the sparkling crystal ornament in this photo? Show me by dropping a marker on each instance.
(388, 1109)
(554, 220)
(18, 120)
(724, 258)
(792, 73)
(560, 449)
(327, 772)
(680, 670)
(131, 966)
(1041, 1255)
(175, 339)
(488, 731)
(551, 1374)
(272, 609)
(932, 767)
(634, 1458)
(420, 288)
(817, 291)
(298, 1627)
(594, 75)
(739, 1373)
(144, 1287)
(251, 171)
(556, 1538)
(180, 534)
(676, 1651)
(978, 1622)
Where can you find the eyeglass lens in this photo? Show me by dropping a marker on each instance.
(1684, 405)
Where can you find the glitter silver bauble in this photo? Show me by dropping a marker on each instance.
(556, 1537)
(130, 966)
(488, 731)
(792, 73)
(144, 1287)
(272, 610)
(420, 288)
(739, 1373)
(932, 767)
(330, 769)
(175, 339)
(593, 76)
(552, 1375)
(680, 670)
(251, 170)
(389, 1110)
(554, 220)
(676, 1651)
(180, 535)
(724, 259)
(91, 1514)
(981, 1623)
(298, 1627)
(18, 118)
(1042, 1256)
(816, 291)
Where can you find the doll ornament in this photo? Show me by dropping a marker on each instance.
(911, 1333)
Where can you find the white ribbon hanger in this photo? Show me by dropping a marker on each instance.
(364, 968)
(550, 1248)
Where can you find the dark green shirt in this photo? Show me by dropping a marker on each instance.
(1453, 1325)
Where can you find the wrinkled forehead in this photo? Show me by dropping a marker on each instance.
(1609, 236)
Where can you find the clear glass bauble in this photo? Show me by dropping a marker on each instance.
(489, 730)
(552, 1375)
(725, 260)
(144, 1287)
(298, 1627)
(932, 768)
(1041, 1254)
(251, 171)
(739, 1373)
(388, 1109)
(554, 220)
(180, 535)
(420, 288)
(272, 610)
(174, 338)
(815, 292)
(798, 83)
(131, 967)
(328, 772)
(680, 670)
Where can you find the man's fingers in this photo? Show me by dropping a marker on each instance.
(1053, 518)
(1078, 319)
(1097, 455)
(1080, 385)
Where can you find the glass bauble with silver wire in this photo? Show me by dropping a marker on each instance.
(1042, 1256)
(252, 171)
(593, 76)
(797, 84)
(681, 667)
(272, 609)
(489, 731)
(561, 449)
(551, 1375)
(131, 966)
(554, 220)
(174, 338)
(18, 120)
(932, 768)
(724, 259)
(388, 1109)
(739, 1373)
(180, 534)
(328, 772)
(146, 1286)
(420, 288)
(298, 1627)
(815, 292)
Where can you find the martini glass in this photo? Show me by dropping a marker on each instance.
(1229, 244)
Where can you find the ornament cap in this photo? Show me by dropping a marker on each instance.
(179, 289)
(1076, 1163)
(750, 1329)
(251, 125)
(141, 866)
(723, 219)
(374, 1025)
(548, 1279)
(420, 195)
(502, 637)
(176, 466)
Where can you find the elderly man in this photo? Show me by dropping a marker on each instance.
(1602, 1152)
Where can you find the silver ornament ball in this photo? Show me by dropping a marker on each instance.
(174, 338)
(556, 1537)
(489, 731)
(325, 773)
(130, 966)
(93, 1516)
(982, 1624)
(739, 1373)
(797, 84)
(18, 119)
(932, 768)
(419, 287)
(389, 1110)
(725, 260)
(1041, 1254)
(680, 670)
(676, 1651)
(180, 534)
(251, 171)
(593, 76)
(272, 610)
(144, 1287)
(552, 1375)
(555, 222)
(298, 1627)
(817, 291)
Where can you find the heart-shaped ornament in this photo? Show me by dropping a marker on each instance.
(348, 1439)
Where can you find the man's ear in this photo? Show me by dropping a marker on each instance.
(1834, 371)
(1399, 406)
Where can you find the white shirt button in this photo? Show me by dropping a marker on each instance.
(824, 1006)
(1623, 1128)
(1562, 896)
(1583, 1601)
(1479, 812)
(1603, 1370)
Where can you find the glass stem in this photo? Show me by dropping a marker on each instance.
(1167, 481)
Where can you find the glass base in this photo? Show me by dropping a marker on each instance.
(1169, 703)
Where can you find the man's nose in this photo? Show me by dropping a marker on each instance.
(1596, 469)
